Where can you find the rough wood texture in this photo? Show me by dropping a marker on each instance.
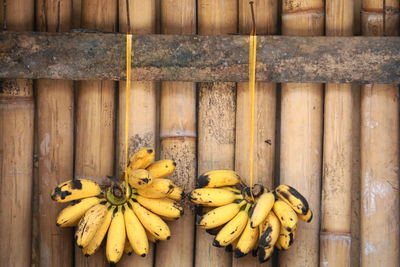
(301, 135)
(83, 56)
(55, 126)
(217, 107)
(380, 233)
(16, 149)
(265, 112)
(95, 118)
(142, 113)
(178, 137)
(338, 151)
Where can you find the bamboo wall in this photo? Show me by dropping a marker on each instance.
(338, 144)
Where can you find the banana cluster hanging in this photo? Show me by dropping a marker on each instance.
(131, 215)
(226, 209)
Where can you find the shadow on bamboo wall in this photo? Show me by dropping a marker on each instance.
(338, 144)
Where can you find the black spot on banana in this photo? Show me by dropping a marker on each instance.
(293, 198)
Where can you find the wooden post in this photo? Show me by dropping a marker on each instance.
(335, 237)
(265, 112)
(301, 134)
(142, 113)
(55, 126)
(380, 237)
(95, 117)
(178, 137)
(217, 108)
(16, 149)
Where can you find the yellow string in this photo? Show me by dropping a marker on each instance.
(252, 85)
(127, 100)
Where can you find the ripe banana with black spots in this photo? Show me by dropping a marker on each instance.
(162, 206)
(139, 178)
(213, 197)
(116, 237)
(233, 229)
(162, 168)
(247, 241)
(264, 253)
(75, 189)
(142, 158)
(135, 232)
(286, 238)
(71, 215)
(293, 198)
(96, 241)
(128, 248)
(218, 178)
(306, 218)
(287, 216)
(153, 223)
(261, 209)
(270, 231)
(162, 188)
(89, 224)
(219, 216)
(151, 237)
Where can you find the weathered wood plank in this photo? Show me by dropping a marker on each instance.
(101, 56)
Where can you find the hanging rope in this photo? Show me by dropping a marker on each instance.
(252, 85)
(127, 92)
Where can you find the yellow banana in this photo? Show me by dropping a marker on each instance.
(293, 198)
(219, 216)
(270, 232)
(213, 196)
(139, 178)
(75, 189)
(136, 233)
(308, 217)
(286, 215)
(233, 229)
(278, 246)
(261, 209)
(142, 158)
(232, 246)
(264, 254)
(151, 237)
(161, 188)
(153, 223)
(128, 248)
(95, 243)
(162, 168)
(233, 189)
(116, 237)
(218, 178)
(247, 241)
(286, 238)
(215, 230)
(71, 215)
(162, 206)
(89, 224)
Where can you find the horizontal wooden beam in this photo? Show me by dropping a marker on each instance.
(93, 56)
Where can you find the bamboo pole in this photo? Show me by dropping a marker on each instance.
(76, 13)
(142, 112)
(301, 134)
(335, 237)
(265, 112)
(380, 244)
(178, 137)
(55, 102)
(16, 149)
(95, 117)
(217, 107)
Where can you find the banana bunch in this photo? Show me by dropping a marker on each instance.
(226, 209)
(130, 215)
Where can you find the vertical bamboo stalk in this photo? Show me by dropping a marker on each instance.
(142, 112)
(337, 159)
(76, 13)
(16, 149)
(55, 101)
(301, 134)
(95, 117)
(265, 112)
(178, 136)
(217, 107)
(380, 244)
